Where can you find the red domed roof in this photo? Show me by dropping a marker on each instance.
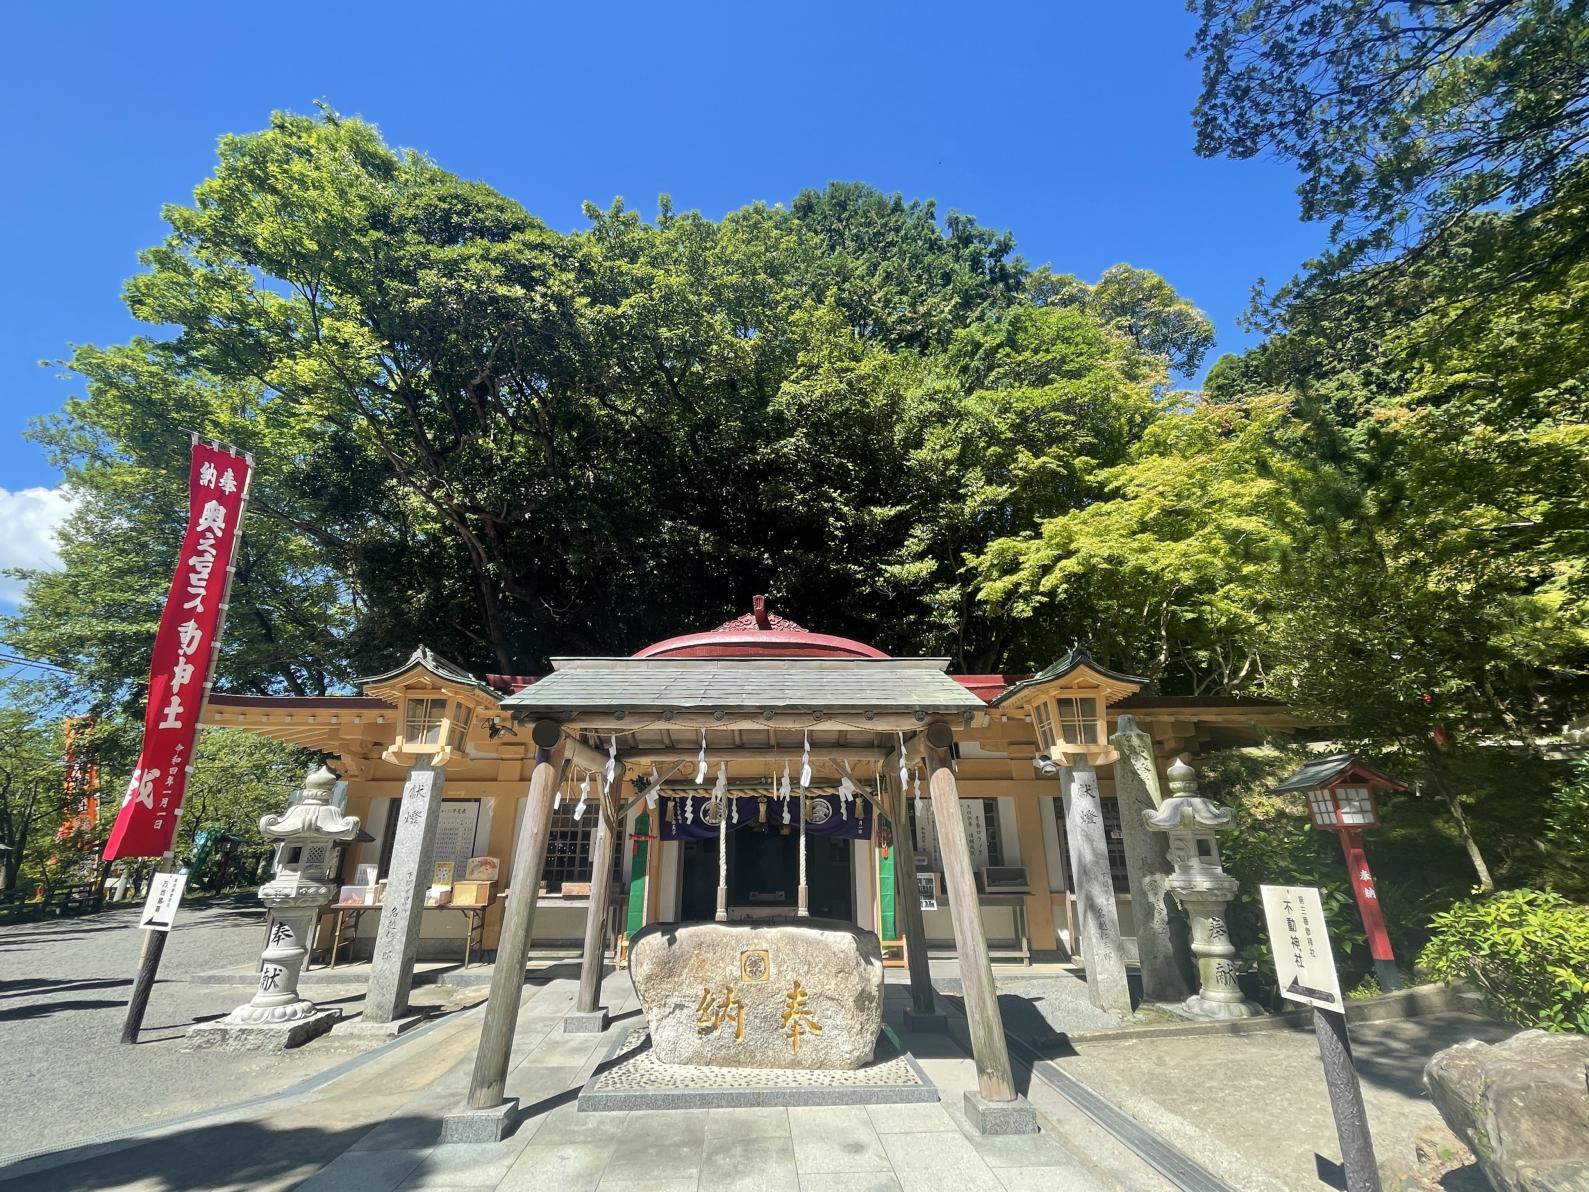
(760, 634)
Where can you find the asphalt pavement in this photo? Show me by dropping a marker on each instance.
(64, 985)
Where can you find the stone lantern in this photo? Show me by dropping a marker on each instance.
(1203, 889)
(307, 834)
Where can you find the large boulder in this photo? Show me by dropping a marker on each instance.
(1522, 1106)
(786, 995)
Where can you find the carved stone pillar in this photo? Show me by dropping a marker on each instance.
(1161, 949)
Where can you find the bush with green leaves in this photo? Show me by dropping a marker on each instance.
(1526, 950)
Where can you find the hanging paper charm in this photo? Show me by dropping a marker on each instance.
(651, 792)
(918, 793)
(612, 763)
(805, 764)
(846, 793)
(584, 793)
(700, 762)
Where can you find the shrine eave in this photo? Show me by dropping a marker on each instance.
(766, 685)
(306, 703)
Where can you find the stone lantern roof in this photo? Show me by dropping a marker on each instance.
(1186, 808)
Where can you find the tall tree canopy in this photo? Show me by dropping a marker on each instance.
(1405, 117)
(510, 442)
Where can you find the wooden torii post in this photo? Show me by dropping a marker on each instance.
(923, 1013)
(995, 1108)
(489, 1114)
(588, 1017)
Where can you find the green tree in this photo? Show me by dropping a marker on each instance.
(1404, 118)
(32, 791)
(238, 777)
(510, 442)
(1177, 565)
(1140, 305)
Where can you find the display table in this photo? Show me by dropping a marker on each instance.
(345, 918)
(1017, 903)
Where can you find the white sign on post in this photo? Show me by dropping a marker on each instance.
(165, 895)
(1301, 944)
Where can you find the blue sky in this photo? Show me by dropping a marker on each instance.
(1066, 123)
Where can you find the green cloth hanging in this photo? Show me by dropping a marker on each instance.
(885, 883)
(637, 876)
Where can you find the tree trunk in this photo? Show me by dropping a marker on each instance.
(1454, 805)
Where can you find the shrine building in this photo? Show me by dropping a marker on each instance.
(804, 742)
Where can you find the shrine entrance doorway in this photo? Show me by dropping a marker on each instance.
(763, 875)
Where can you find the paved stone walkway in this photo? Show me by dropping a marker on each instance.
(556, 1147)
(376, 1127)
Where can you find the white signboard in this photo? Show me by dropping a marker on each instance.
(927, 850)
(165, 895)
(1301, 945)
(456, 821)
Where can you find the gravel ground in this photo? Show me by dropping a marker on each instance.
(63, 992)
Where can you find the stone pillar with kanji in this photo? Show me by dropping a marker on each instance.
(277, 1016)
(1204, 890)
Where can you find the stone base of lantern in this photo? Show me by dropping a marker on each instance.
(223, 1035)
(1201, 1007)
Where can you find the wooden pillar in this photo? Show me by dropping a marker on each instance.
(909, 908)
(591, 961)
(986, 1025)
(507, 980)
(1040, 903)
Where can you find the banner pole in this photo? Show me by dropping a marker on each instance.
(154, 941)
(154, 946)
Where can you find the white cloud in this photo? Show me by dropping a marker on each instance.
(29, 518)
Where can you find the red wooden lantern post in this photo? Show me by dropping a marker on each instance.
(1343, 797)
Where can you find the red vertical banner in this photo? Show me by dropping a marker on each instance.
(1363, 887)
(183, 663)
(81, 793)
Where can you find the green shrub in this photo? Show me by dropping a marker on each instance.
(1526, 950)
